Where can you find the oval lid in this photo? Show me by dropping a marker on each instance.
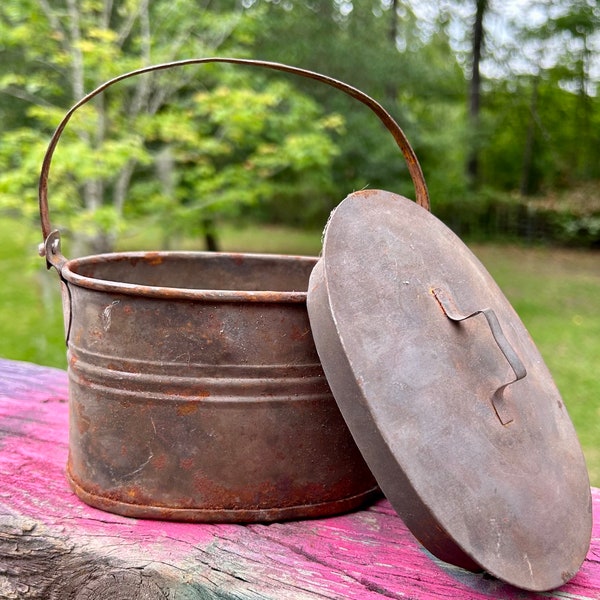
(459, 420)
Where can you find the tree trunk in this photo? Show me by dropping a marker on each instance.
(394, 22)
(475, 92)
(210, 235)
(583, 129)
(527, 184)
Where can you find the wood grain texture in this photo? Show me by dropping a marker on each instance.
(54, 547)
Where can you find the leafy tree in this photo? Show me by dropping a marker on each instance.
(246, 145)
(113, 146)
(378, 47)
(570, 29)
(542, 116)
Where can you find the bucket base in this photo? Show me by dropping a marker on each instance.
(223, 515)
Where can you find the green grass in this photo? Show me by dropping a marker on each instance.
(268, 239)
(557, 295)
(31, 326)
(555, 291)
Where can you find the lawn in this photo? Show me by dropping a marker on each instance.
(555, 291)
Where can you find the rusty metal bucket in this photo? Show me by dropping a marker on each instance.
(203, 403)
(196, 392)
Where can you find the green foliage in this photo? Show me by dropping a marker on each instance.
(567, 218)
(193, 145)
(246, 142)
(110, 147)
(31, 320)
(569, 85)
(360, 48)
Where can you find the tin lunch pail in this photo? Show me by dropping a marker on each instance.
(195, 389)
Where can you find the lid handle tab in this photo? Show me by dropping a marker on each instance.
(455, 314)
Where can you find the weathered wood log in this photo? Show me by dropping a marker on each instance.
(54, 547)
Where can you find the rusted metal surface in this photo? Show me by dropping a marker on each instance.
(418, 389)
(203, 403)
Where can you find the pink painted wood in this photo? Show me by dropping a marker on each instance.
(53, 546)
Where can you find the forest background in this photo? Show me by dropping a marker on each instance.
(498, 98)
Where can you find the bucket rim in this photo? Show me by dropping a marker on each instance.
(68, 273)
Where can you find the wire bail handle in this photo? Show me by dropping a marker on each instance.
(51, 245)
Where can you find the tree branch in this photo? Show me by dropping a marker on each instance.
(22, 94)
(125, 30)
(56, 25)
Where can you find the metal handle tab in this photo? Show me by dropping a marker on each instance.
(51, 249)
(455, 314)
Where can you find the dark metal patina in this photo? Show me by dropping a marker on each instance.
(203, 403)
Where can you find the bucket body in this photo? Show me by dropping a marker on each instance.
(196, 392)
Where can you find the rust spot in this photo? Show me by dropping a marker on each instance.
(154, 258)
(186, 463)
(566, 576)
(159, 462)
(166, 514)
(81, 420)
(298, 334)
(189, 408)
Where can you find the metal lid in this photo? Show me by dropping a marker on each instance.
(447, 396)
